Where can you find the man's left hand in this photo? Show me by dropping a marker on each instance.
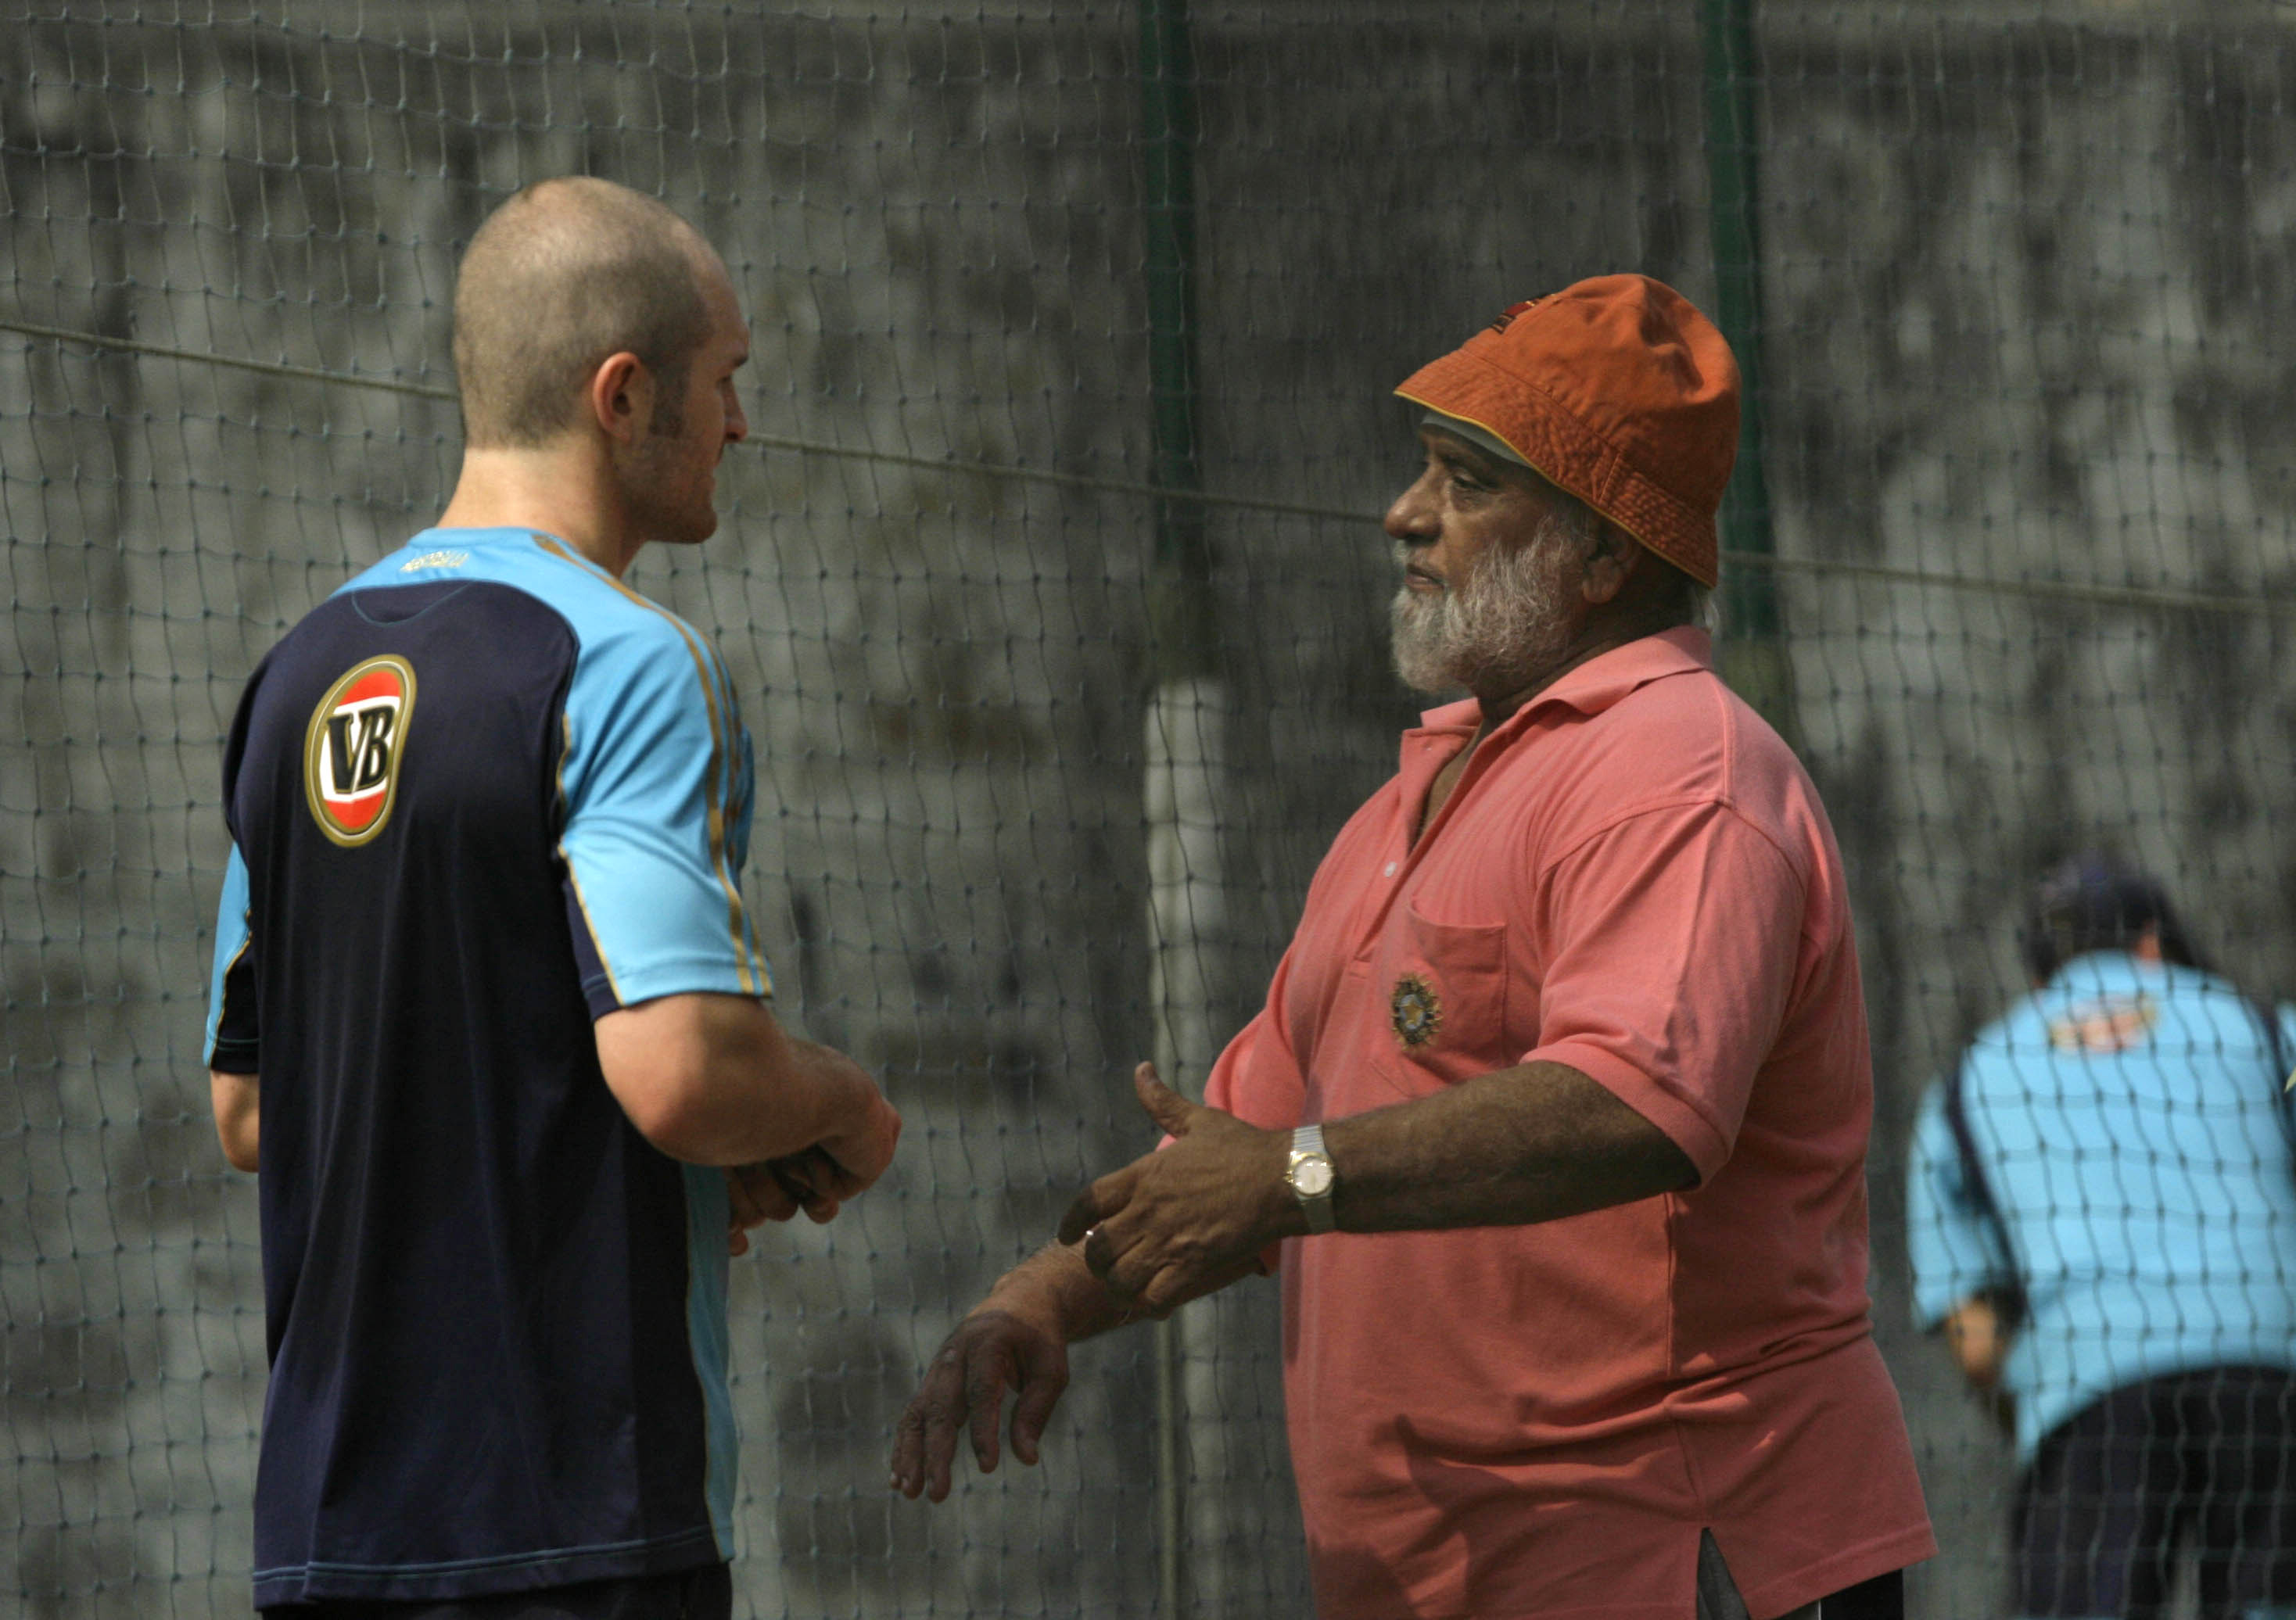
(1179, 1223)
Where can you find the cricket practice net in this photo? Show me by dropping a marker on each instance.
(1055, 593)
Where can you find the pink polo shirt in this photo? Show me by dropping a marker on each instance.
(1633, 877)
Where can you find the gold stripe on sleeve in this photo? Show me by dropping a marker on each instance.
(720, 766)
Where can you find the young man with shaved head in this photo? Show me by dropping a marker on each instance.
(482, 940)
(1554, 1123)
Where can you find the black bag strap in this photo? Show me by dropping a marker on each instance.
(2008, 1293)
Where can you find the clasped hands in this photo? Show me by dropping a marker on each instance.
(1170, 1227)
(776, 1188)
(815, 1180)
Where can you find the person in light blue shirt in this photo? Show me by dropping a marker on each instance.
(488, 1018)
(2103, 1223)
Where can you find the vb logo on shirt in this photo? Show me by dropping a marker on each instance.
(351, 752)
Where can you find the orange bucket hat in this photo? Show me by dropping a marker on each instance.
(1616, 389)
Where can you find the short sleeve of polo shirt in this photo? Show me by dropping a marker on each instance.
(1675, 936)
(655, 780)
(1257, 1077)
(1946, 1237)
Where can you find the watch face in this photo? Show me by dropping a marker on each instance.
(1311, 1177)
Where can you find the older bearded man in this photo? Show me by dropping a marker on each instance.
(1554, 1123)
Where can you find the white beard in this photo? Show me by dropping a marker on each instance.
(1506, 619)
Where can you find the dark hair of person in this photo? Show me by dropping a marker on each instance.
(564, 275)
(2095, 902)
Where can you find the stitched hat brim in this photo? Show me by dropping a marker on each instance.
(1570, 454)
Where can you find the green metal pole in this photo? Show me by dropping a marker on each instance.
(1184, 618)
(1753, 656)
(1186, 710)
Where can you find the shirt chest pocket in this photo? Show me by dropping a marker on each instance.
(1439, 993)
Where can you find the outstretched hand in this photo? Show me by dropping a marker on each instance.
(1176, 1224)
(993, 1350)
(1159, 1232)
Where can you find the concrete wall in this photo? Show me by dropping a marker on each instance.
(2024, 276)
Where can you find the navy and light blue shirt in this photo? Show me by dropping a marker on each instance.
(483, 795)
(2127, 1118)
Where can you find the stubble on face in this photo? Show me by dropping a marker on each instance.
(673, 486)
(1495, 630)
(675, 464)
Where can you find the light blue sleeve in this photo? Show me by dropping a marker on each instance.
(1946, 1240)
(657, 783)
(231, 1039)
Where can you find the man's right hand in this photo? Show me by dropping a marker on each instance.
(1012, 1340)
(857, 1155)
(818, 1181)
(1978, 1342)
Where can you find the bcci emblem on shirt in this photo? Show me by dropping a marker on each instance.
(352, 750)
(1417, 1010)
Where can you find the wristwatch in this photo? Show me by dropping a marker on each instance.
(1310, 1176)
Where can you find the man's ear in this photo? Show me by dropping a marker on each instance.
(621, 398)
(1613, 559)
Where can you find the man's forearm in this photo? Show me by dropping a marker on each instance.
(715, 1080)
(777, 1099)
(1532, 1143)
(1053, 1289)
(839, 1092)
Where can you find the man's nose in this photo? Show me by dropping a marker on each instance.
(1411, 519)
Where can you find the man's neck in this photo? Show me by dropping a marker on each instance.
(1510, 693)
(1519, 691)
(559, 489)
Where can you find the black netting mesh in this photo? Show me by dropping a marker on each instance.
(1045, 763)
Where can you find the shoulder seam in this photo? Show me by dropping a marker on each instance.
(1720, 801)
(719, 790)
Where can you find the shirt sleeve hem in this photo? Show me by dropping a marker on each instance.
(235, 1057)
(691, 976)
(1683, 1124)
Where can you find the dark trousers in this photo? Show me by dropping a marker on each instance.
(2201, 1462)
(1882, 1597)
(706, 1593)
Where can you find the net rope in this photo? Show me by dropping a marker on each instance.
(2061, 590)
(1054, 599)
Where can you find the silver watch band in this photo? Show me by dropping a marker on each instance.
(1313, 1188)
